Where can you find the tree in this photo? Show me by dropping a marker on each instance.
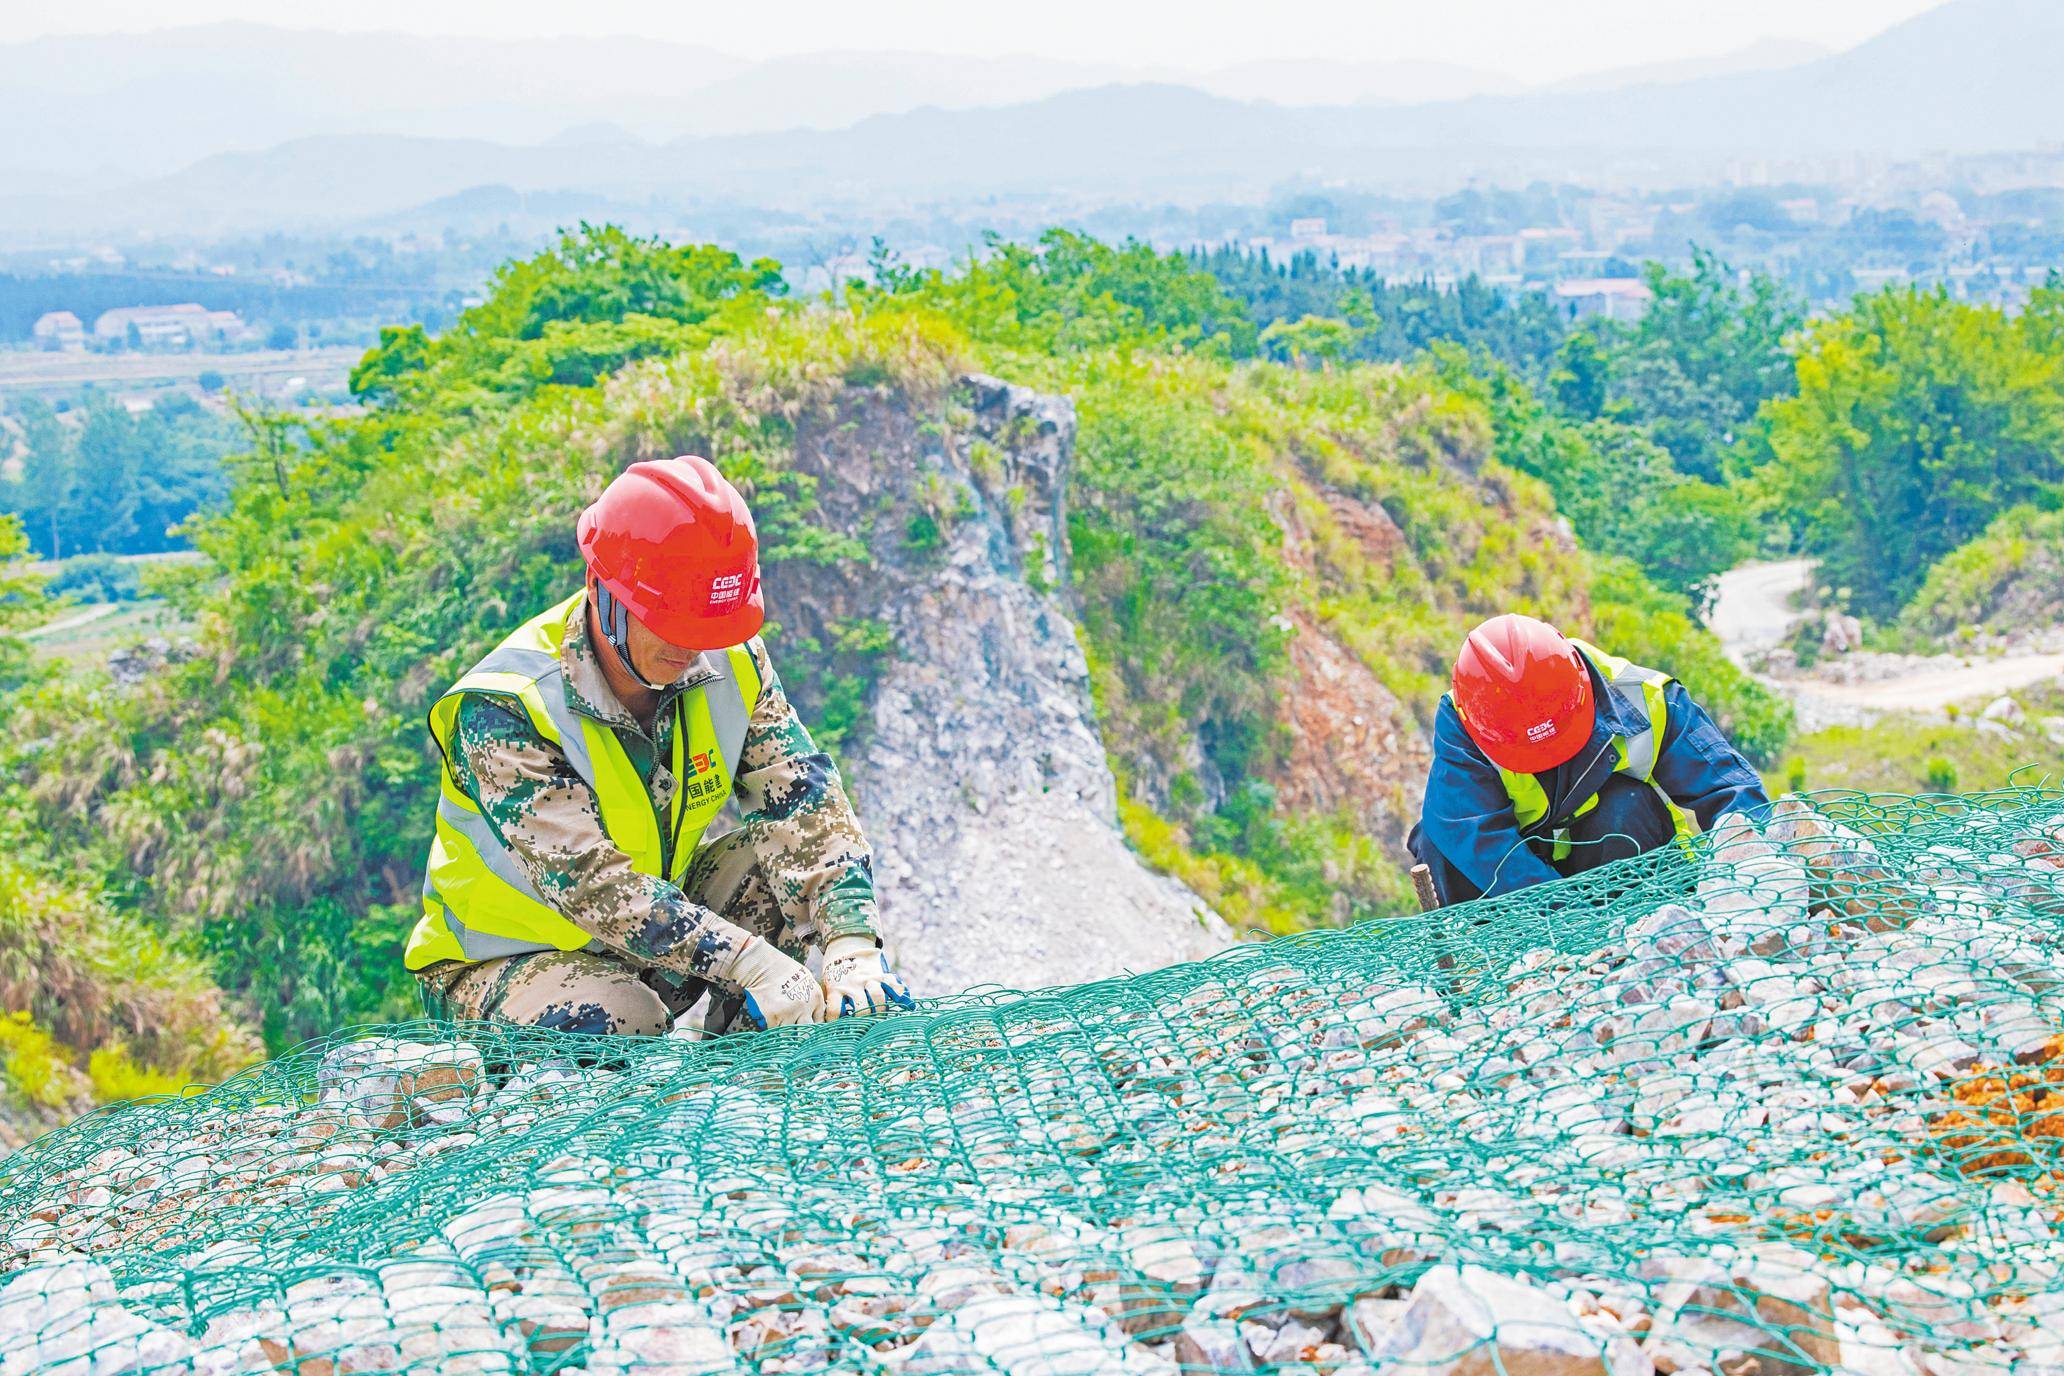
(403, 350)
(1582, 372)
(1315, 338)
(108, 476)
(211, 381)
(1708, 353)
(1917, 420)
(601, 274)
(117, 482)
(23, 602)
(43, 494)
(282, 336)
(1619, 489)
(597, 299)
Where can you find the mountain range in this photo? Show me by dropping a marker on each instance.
(1972, 75)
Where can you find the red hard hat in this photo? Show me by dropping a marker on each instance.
(673, 541)
(1524, 693)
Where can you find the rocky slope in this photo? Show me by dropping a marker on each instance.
(1782, 1108)
(979, 772)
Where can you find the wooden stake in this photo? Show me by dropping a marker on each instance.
(1422, 880)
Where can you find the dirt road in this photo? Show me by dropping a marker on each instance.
(1753, 615)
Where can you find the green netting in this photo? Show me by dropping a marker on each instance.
(1783, 1105)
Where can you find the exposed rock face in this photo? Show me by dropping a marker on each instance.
(1353, 747)
(981, 776)
(1352, 744)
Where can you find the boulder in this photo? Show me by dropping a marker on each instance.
(1771, 1307)
(1468, 1321)
(1212, 1347)
(1029, 1335)
(2005, 711)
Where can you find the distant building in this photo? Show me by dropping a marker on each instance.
(1607, 298)
(1876, 279)
(184, 326)
(58, 330)
(1540, 245)
(1487, 253)
(1312, 227)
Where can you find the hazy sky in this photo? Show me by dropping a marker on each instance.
(1542, 39)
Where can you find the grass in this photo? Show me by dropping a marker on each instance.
(1929, 754)
(87, 644)
(34, 1066)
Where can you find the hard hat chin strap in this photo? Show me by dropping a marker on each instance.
(616, 629)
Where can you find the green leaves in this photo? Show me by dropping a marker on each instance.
(1917, 420)
(596, 300)
(1073, 292)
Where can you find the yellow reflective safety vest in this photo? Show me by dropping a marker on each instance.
(477, 903)
(1638, 689)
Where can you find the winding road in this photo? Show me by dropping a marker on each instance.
(1753, 614)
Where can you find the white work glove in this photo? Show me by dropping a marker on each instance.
(779, 992)
(857, 979)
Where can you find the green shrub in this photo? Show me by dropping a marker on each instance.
(96, 578)
(1918, 419)
(2009, 578)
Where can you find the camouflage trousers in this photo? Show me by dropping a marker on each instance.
(597, 991)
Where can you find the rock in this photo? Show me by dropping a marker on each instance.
(1771, 1306)
(361, 1079)
(129, 665)
(1866, 1347)
(672, 1339)
(1166, 1257)
(1292, 1342)
(981, 762)
(1369, 1321)
(1473, 1322)
(1383, 1018)
(1029, 1335)
(2004, 710)
(1842, 634)
(1212, 1347)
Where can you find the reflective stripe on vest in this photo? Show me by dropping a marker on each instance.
(477, 902)
(1640, 691)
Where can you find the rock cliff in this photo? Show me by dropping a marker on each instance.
(979, 770)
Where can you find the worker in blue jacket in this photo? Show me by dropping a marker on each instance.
(1551, 757)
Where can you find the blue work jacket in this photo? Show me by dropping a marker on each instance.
(1467, 816)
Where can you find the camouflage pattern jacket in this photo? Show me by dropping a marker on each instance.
(792, 807)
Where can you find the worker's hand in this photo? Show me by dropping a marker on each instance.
(857, 979)
(779, 992)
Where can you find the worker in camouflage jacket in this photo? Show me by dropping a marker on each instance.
(579, 877)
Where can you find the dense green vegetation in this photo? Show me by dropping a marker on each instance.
(105, 481)
(1723, 423)
(1380, 321)
(1917, 421)
(2009, 578)
(1264, 460)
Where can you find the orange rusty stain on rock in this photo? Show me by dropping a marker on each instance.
(2010, 1121)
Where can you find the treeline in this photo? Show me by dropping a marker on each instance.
(101, 480)
(23, 298)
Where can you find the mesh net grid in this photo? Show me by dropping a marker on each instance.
(1786, 1103)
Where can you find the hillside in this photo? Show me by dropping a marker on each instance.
(1784, 1104)
(1047, 559)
